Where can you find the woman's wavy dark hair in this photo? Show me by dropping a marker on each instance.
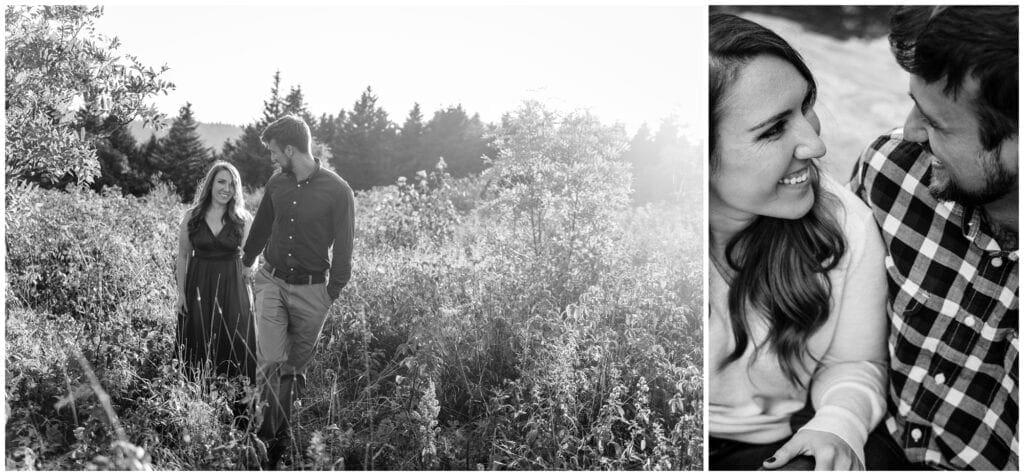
(235, 213)
(781, 266)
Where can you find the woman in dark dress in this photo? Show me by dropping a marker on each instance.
(216, 328)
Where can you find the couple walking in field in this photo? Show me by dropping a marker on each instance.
(873, 325)
(304, 229)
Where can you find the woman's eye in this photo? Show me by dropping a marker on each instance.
(773, 131)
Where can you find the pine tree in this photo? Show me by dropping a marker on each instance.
(150, 151)
(660, 163)
(295, 103)
(248, 153)
(272, 107)
(364, 147)
(460, 139)
(182, 157)
(326, 128)
(123, 164)
(410, 144)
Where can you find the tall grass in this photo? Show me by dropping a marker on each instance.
(492, 322)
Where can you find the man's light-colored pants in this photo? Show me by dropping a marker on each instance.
(289, 318)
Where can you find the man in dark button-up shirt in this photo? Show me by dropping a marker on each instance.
(306, 211)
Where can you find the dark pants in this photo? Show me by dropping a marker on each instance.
(881, 452)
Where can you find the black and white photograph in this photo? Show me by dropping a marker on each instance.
(298, 237)
(862, 220)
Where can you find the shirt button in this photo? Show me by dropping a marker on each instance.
(916, 434)
(289, 237)
(293, 203)
(1013, 256)
(969, 321)
(289, 254)
(940, 379)
(293, 220)
(997, 262)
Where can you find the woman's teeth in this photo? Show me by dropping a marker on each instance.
(799, 177)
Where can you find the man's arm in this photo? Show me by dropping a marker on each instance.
(344, 229)
(259, 231)
(856, 183)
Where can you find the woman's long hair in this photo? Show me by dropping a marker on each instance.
(235, 213)
(781, 266)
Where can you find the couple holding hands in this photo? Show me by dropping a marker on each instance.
(304, 229)
(871, 325)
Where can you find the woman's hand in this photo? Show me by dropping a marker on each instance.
(830, 452)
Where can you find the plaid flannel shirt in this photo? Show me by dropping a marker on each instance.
(953, 395)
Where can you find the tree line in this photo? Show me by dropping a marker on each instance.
(69, 104)
(367, 148)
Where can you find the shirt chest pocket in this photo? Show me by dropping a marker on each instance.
(956, 356)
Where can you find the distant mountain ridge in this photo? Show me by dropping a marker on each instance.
(213, 134)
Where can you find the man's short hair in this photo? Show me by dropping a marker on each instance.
(936, 42)
(288, 130)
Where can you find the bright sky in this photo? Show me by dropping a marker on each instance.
(625, 64)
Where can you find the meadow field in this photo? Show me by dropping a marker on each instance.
(531, 317)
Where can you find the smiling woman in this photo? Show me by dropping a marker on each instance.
(216, 332)
(796, 293)
(773, 133)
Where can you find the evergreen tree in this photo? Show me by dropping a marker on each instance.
(182, 157)
(123, 164)
(663, 163)
(641, 155)
(248, 153)
(326, 129)
(150, 151)
(364, 147)
(272, 108)
(295, 103)
(410, 144)
(460, 139)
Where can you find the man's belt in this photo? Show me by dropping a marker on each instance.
(292, 278)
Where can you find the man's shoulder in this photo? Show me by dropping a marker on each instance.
(892, 156)
(275, 178)
(335, 182)
(892, 171)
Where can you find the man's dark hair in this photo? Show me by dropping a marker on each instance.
(936, 42)
(288, 130)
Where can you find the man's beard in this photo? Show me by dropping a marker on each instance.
(286, 166)
(998, 183)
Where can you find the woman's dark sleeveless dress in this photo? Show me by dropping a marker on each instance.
(218, 326)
